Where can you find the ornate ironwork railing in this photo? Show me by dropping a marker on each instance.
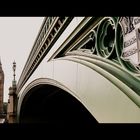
(108, 40)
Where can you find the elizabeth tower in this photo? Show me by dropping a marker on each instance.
(1, 88)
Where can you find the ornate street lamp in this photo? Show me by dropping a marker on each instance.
(14, 69)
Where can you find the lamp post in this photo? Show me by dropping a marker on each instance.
(14, 69)
(14, 93)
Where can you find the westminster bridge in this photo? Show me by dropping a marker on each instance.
(81, 69)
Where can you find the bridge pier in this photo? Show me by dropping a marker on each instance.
(12, 103)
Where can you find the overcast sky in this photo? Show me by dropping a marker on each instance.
(17, 35)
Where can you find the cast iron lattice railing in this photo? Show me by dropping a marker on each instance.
(106, 40)
(50, 30)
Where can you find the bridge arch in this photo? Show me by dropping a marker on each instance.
(48, 101)
(87, 59)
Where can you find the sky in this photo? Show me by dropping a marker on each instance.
(17, 36)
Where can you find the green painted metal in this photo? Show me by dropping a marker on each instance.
(106, 37)
(106, 53)
(106, 40)
(124, 80)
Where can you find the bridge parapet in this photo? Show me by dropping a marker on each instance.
(50, 30)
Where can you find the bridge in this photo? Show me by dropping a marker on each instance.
(79, 72)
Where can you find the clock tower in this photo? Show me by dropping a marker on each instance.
(1, 88)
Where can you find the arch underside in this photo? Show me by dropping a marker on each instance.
(54, 106)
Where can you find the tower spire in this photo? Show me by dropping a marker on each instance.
(1, 88)
(0, 61)
(0, 65)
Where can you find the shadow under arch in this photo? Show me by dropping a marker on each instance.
(54, 106)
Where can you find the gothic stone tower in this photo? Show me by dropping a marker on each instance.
(1, 88)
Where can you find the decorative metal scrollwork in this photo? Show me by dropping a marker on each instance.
(106, 37)
(93, 41)
(89, 42)
(107, 40)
